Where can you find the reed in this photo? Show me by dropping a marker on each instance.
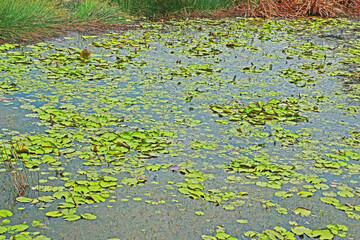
(29, 16)
(92, 11)
(27, 20)
(18, 177)
(165, 8)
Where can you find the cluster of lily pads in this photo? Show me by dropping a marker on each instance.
(136, 121)
(19, 230)
(260, 112)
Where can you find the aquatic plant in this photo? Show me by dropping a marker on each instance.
(18, 176)
(232, 128)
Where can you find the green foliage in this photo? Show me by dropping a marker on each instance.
(161, 8)
(26, 20)
(19, 16)
(92, 11)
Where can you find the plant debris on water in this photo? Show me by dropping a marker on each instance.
(237, 128)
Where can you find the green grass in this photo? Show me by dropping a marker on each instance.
(21, 16)
(164, 8)
(23, 20)
(92, 11)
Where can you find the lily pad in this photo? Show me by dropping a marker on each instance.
(71, 217)
(5, 213)
(302, 211)
(54, 214)
(88, 216)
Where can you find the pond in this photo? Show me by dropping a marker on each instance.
(201, 129)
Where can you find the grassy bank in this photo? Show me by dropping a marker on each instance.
(254, 8)
(165, 8)
(26, 20)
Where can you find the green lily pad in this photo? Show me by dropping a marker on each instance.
(54, 214)
(3, 229)
(5, 213)
(105, 184)
(305, 194)
(82, 189)
(71, 217)
(301, 230)
(24, 199)
(88, 216)
(302, 211)
(323, 234)
(242, 221)
(18, 228)
(283, 194)
(330, 200)
(199, 213)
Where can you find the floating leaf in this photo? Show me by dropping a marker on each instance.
(199, 213)
(71, 217)
(46, 199)
(3, 229)
(283, 194)
(301, 230)
(242, 221)
(105, 184)
(18, 228)
(302, 211)
(24, 199)
(81, 189)
(37, 223)
(109, 179)
(88, 216)
(281, 210)
(345, 193)
(330, 200)
(324, 234)
(5, 213)
(54, 214)
(305, 194)
(61, 194)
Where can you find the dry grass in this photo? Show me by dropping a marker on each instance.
(300, 8)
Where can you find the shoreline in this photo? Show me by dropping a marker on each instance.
(273, 10)
(90, 28)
